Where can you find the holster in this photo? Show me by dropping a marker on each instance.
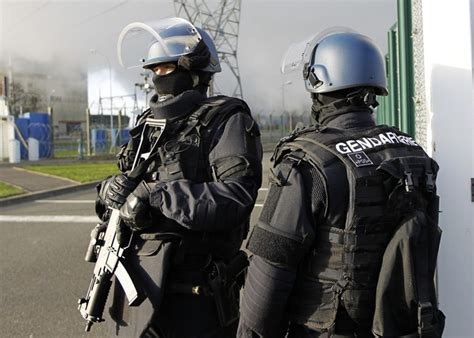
(224, 284)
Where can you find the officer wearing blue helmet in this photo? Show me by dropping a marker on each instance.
(189, 213)
(318, 245)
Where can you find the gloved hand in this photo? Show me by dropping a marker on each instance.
(101, 208)
(118, 191)
(112, 193)
(136, 212)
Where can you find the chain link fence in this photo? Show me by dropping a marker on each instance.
(96, 142)
(275, 126)
(74, 141)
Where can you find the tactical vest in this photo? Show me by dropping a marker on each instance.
(184, 154)
(343, 266)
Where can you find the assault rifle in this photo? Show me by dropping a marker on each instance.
(104, 248)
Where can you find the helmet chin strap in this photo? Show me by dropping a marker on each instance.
(362, 96)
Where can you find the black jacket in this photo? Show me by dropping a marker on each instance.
(206, 179)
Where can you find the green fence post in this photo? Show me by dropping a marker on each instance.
(405, 41)
(394, 92)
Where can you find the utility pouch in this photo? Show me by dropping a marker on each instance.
(406, 299)
(223, 282)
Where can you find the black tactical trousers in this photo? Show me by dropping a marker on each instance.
(301, 331)
(344, 327)
(188, 316)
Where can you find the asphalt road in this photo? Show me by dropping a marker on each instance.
(42, 267)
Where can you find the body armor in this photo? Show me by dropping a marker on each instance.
(170, 258)
(342, 268)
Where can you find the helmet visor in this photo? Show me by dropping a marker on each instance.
(292, 60)
(300, 53)
(145, 44)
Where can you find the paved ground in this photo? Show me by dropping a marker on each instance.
(32, 182)
(43, 272)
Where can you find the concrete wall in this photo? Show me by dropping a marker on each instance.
(6, 134)
(448, 34)
(3, 139)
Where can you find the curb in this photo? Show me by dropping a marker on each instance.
(45, 193)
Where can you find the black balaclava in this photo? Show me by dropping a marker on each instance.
(173, 83)
(327, 106)
(178, 93)
(176, 107)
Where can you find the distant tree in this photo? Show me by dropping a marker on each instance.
(22, 101)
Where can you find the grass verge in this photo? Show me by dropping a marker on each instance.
(80, 172)
(7, 190)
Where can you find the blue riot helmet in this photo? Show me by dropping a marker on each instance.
(168, 40)
(338, 59)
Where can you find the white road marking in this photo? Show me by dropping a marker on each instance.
(48, 219)
(259, 205)
(64, 201)
(263, 189)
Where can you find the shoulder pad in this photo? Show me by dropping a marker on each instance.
(221, 105)
(284, 166)
(281, 149)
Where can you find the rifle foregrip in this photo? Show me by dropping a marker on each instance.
(93, 307)
(91, 255)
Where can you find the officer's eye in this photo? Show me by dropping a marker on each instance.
(164, 69)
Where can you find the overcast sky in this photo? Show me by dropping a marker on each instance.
(62, 32)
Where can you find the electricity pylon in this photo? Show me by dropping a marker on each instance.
(221, 21)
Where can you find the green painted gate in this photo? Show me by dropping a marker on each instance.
(398, 108)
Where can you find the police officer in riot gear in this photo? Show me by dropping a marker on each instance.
(190, 212)
(318, 245)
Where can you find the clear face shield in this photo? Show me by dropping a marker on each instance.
(144, 44)
(299, 55)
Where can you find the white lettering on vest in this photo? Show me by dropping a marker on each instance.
(353, 146)
(375, 141)
(365, 144)
(342, 148)
(384, 139)
(392, 136)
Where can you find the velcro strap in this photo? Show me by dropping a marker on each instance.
(425, 319)
(274, 247)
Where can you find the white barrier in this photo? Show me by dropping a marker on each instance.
(14, 151)
(33, 149)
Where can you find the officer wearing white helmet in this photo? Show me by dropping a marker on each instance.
(189, 214)
(344, 196)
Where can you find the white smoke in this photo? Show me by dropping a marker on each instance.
(46, 35)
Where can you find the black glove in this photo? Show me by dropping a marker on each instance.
(119, 189)
(125, 157)
(199, 58)
(112, 193)
(136, 212)
(101, 208)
